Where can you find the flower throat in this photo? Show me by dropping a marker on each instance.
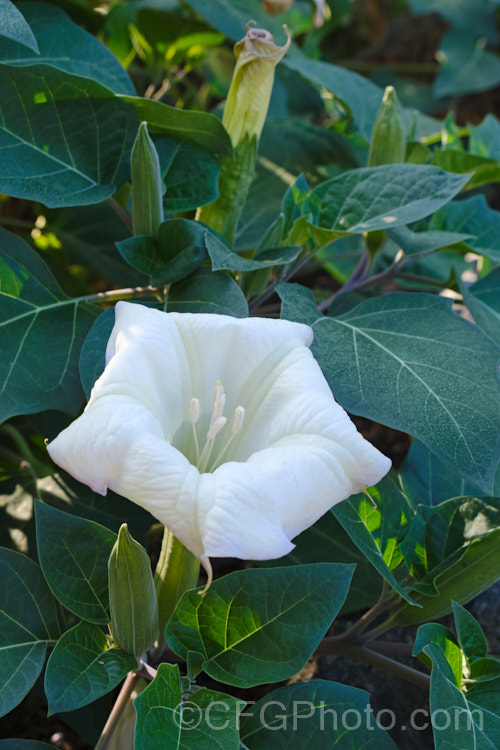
(218, 421)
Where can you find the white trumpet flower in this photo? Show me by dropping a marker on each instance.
(223, 428)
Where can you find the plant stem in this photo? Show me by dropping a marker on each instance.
(126, 690)
(114, 295)
(368, 617)
(124, 216)
(361, 653)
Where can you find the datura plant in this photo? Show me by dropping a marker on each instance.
(249, 389)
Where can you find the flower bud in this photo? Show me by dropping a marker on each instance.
(388, 141)
(244, 116)
(147, 185)
(132, 595)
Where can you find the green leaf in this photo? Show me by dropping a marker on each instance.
(476, 218)
(363, 200)
(297, 304)
(408, 361)
(190, 174)
(484, 139)
(198, 128)
(34, 375)
(257, 626)
(62, 492)
(64, 45)
(13, 25)
(208, 292)
(361, 96)
(477, 16)
(327, 542)
(74, 556)
(483, 301)
(432, 632)
(466, 65)
(317, 714)
(463, 721)
(223, 258)
(454, 554)
(470, 633)
(82, 667)
(376, 530)
(426, 480)
(482, 170)
(93, 352)
(44, 156)
(207, 719)
(28, 620)
(424, 243)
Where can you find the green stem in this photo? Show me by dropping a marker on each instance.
(176, 572)
(121, 702)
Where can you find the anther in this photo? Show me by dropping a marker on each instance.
(239, 416)
(216, 427)
(194, 410)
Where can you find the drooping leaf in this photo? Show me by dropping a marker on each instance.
(198, 128)
(408, 361)
(424, 243)
(13, 25)
(317, 714)
(64, 45)
(28, 620)
(260, 625)
(74, 556)
(64, 140)
(36, 375)
(190, 174)
(82, 667)
(207, 719)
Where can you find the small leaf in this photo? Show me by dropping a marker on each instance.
(74, 556)
(208, 292)
(206, 719)
(472, 216)
(483, 301)
(82, 667)
(258, 626)
(470, 634)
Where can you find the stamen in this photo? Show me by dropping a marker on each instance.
(194, 410)
(216, 427)
(239, 416)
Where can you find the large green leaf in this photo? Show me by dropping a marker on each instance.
(28, 620)
(208, 719)
(363, 200)
(483, 170)
(198, 128)
(483, 300)
(74, 557)
(317, 714)
(64, 140)
(408, 361)
(257, 626)
(208, 292)
(13, 25)
(476, 218)
(64, 45)
(376, 530)
(82, 667)
(361, 96)
(426, 480)
(42, 330)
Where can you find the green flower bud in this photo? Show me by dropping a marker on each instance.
(388, 141)
(147, 185)
(132, 595)
(244, 116)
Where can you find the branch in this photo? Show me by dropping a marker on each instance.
(121, 702)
